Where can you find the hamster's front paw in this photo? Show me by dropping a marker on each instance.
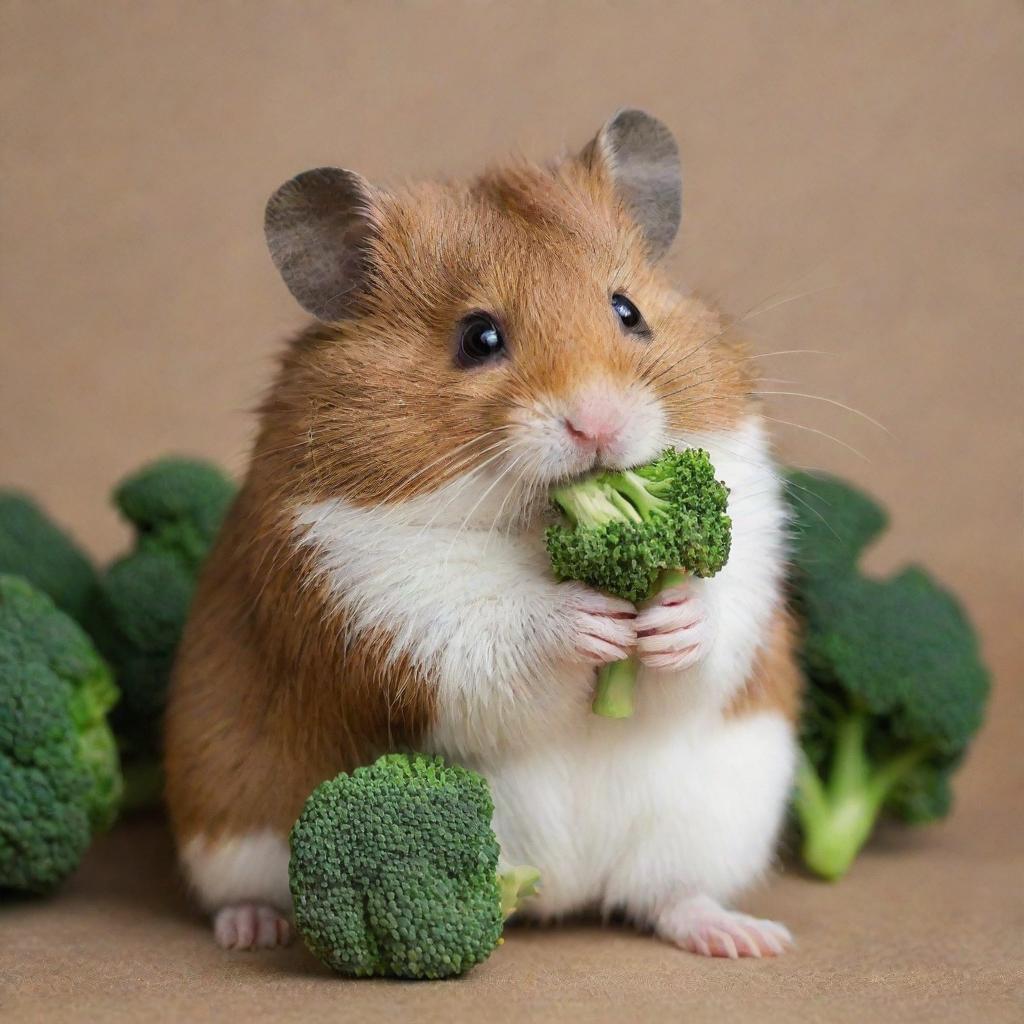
(602, 628)
(673, 631)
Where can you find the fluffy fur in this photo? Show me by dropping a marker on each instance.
(381, 582)
(682, 797)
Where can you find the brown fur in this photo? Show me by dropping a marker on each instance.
(269, 695)
(775, 683)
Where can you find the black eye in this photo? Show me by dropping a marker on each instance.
(479, 340)
(631, 317)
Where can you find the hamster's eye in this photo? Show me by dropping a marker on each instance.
(480, 341)
(629, 316)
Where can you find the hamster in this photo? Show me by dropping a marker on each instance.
(381, 581)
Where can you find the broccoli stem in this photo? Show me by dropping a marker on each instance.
(838, 815)
(592, 503)
(613, 697)
(638, 491)
(515, 885)
(143, 785)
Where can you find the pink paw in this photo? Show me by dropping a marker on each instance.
(603, 627)
(701, 926)
(672, 630)
(250, 926)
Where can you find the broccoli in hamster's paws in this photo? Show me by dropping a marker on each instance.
(394, 870)
(637, 533)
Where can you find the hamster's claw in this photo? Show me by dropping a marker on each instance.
(673, 631)
(250, 926)
(701, 925)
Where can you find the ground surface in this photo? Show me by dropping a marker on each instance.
(928, 926)
(853, 186)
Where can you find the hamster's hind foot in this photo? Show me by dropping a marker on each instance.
(701, 925)
(250, 926)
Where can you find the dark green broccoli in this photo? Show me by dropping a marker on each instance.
(176, 507)
(637, 532)
(33, 547)
(60, 779)
(896, 688)
(394, 870)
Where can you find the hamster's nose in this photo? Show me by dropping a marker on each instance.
(594, 426)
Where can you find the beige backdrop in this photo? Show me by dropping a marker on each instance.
(853, 183)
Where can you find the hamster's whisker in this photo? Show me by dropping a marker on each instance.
(461, 485)
(667, 368)
(820, 433)
(790, 352)
(469, 515)
(829, 401)
(451, 462)
(689, 387)
(792, 488)
(445, 456)
(508, 494)
(760, 309)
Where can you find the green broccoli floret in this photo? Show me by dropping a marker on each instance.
(896, 687)
(59, 775)
(637, 532)
(394, 870)
(176, 507)
(35, 548)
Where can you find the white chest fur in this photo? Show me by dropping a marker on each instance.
(470, 606)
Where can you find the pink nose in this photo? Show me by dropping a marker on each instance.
(594, 425)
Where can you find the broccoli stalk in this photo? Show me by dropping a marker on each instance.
(635, 533)
(895, 685)
(516, 885)
(837, 816)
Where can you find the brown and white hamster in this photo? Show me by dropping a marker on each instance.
(382, 583)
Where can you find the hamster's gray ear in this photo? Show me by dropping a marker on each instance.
(319, 228)
(640, 157)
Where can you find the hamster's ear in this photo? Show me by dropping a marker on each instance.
(319, 227)
(641, 159)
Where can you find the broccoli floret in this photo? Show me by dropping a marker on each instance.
(896, 687)
(35, 548)
(176, 507)
(59, 775)
(394, 870)
(636, 532)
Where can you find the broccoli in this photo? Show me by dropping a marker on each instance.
(31, 546)
(394, 870)
(176, 507)
(637, 532)
(59, 775)
(896, 688)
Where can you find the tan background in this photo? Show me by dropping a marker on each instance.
(868, 154)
